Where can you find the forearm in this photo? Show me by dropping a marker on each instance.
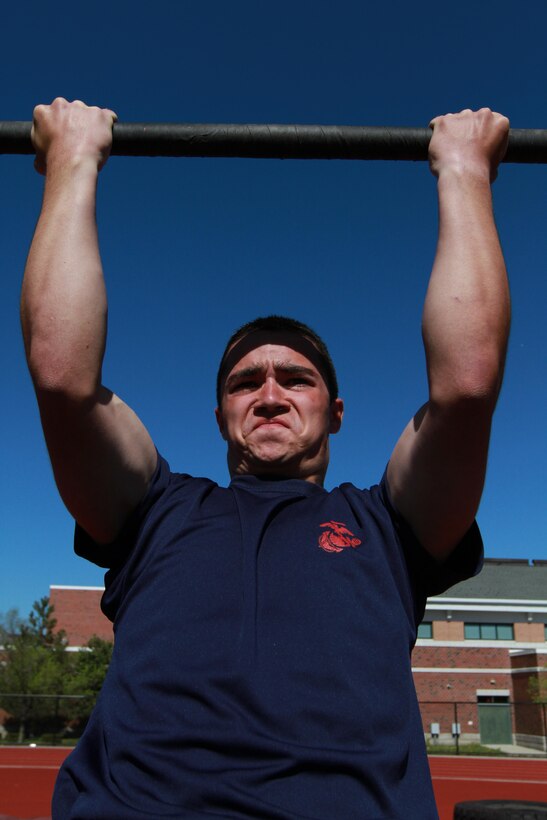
(467, 310)
(63, 305)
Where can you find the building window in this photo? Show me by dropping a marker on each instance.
(489, 632)
(425, 630)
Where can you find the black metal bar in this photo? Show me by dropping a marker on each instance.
(276, 141)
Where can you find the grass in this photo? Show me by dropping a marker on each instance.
(464, 749)
(44, 740)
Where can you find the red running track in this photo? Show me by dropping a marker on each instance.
(27, 776)
(456, 779)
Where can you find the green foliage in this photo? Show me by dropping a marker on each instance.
(537, 688)
(88, 674)
(41, 625)
(36, 672)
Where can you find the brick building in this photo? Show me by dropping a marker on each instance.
(78, 611)
(479, 646)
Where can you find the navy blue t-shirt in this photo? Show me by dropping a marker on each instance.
(261, 666)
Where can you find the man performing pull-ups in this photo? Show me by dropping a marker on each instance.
(261, 666)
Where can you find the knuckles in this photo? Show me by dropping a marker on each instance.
(60, 105)
(482, 115)
(467, 125)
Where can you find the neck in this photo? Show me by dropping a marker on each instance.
(278, 472)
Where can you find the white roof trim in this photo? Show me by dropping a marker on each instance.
(527, 646)
(464, 670)
(525, 652)
(64, 586)
(446, 599)
(492, 605)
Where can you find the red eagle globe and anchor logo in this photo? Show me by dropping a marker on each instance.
(337, 537)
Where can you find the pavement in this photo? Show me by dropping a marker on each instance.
(520, 751)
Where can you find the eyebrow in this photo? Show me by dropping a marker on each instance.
(283, 367)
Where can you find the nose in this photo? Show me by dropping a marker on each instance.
(271, 398)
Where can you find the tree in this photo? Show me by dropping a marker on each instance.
(34, 662)
(37, 673)
(537, 687)
(88, 674)
(41, 624)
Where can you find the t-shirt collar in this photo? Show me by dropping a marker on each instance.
(286, 486)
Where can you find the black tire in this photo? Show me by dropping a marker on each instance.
(500, 810)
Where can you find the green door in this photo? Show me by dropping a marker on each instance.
(495, 723)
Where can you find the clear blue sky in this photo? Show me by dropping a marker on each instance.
(193, 248)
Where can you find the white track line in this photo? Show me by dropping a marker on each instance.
(20, 766)
(492, 780)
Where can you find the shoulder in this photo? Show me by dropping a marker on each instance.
(169, 495)
(376, 496)
(428, 575)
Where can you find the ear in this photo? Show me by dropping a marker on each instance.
(336, 413)
(220, 422)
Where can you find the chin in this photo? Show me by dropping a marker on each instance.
(278, 462)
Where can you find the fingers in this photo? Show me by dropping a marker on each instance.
(40, 111)
(468, 112)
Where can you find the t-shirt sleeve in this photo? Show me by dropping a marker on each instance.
(113, 555)
(429, 577)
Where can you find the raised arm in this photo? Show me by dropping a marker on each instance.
(102, 456)
(436, 473)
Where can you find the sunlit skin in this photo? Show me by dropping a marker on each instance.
(276, 413)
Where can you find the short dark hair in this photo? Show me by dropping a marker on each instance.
(277, 324)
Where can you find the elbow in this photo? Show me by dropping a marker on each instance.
(64, 357)
(475, 383)
(57, 378)
(61, 365)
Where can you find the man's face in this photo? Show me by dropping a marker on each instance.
(276, 413)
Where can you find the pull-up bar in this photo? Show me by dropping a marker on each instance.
(142, 139)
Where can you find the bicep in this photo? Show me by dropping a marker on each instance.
(102, 458)
(437, 470)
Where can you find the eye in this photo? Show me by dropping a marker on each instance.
(247, 384)
(298, 381)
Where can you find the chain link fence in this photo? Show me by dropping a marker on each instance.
(447, 725)
(493, 722)
(43, 719)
